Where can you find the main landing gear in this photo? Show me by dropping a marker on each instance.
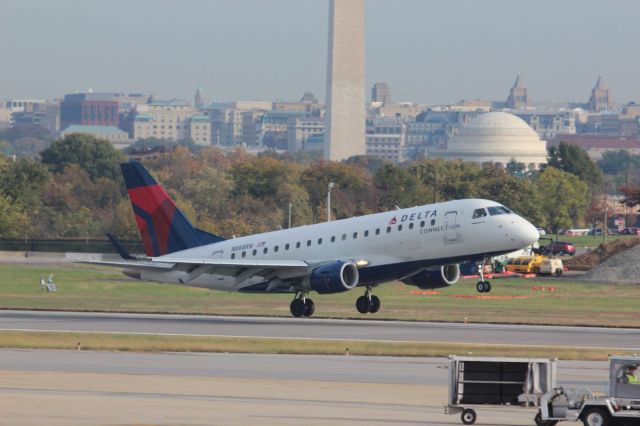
(368, 303)
(482, 286)
(302, 305)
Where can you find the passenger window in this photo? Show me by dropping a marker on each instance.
(366, 234)
(298, 244)
(265, 250)
(422, 224)
(433, 222)
(355, 235)
(254, 252)
(244, 254)
(233, 255)
(275, 249)
(308, 243)
(377, 231)
(333, 238)
(399, 227)
(344, 237)
(388, 229)
(286, 246)
(319, 241)
(478, 213)
(411, 225)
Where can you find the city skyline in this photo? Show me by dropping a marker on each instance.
(427, 51)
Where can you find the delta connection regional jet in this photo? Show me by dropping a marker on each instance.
(421, 246)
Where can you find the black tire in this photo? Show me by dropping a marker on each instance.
(309, 307)
(558, 272)
(375, 305)
(363, 304)
(596, 417)
(487, 286)
(297, 308)
(480, 286)
(468, 416)
(539, 422)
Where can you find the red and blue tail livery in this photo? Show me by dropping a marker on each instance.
(163, 227)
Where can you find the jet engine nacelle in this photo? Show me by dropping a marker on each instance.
(334, 277)
(435, 278)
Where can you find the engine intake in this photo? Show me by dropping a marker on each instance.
(435, 278)
(334, 277)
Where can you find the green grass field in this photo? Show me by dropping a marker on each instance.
(588, 240)
(89, 288)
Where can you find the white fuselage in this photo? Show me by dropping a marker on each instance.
(392, 245)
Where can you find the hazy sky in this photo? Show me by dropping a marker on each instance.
(427, 50)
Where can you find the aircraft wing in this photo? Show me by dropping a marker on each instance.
(134, 264)
(242, 270)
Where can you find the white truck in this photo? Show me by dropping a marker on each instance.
(621, 404)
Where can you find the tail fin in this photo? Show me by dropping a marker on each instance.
(164, 229)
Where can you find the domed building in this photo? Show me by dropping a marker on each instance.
(496, 137)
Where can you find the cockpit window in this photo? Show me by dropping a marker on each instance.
(496, 210)
(478, 213)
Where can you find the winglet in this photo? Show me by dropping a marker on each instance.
(119, 247)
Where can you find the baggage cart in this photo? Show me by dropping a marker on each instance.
(497, 382)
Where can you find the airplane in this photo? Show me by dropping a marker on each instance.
(421, 246)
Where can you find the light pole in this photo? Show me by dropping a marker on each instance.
(289, 216)
(329, 201)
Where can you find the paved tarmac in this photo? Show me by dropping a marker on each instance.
(116, 388)
(322, 329)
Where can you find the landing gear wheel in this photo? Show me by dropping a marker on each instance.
(539, 422)
(483, 286)
(468, 416)
(363, 304)
(297, 307)
(375, 304)
(309, 307)
(596, 417)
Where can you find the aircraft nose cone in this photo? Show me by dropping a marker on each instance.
(528, 233)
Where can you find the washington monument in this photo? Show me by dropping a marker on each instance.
(345, 134)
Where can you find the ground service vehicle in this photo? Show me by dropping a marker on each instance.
(622, 402)
(563, 247)
(494, 382)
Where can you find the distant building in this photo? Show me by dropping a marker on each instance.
(45, 115)
(199, 98)
(304, 132)
(386, 139)
(600, 99)
(496, 137)
(518, 98)
(172, 120)
(596, 145)
(380, 92)
(22, 105)
(549, 124)
(92, 109)
(120, 139)
(5, 116)
(435, 128)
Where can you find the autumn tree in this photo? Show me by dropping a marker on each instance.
(97, 156)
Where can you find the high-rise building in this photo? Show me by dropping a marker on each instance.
(345, 135)
(380, 92)
(600, 99)
(518, 98)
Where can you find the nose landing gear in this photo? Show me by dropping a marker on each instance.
(301, 305)
(482, 286)
(368, 303)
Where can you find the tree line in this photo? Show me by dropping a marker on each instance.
(74, 188)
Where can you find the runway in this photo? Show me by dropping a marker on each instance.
(301, 328)
(71, 387)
